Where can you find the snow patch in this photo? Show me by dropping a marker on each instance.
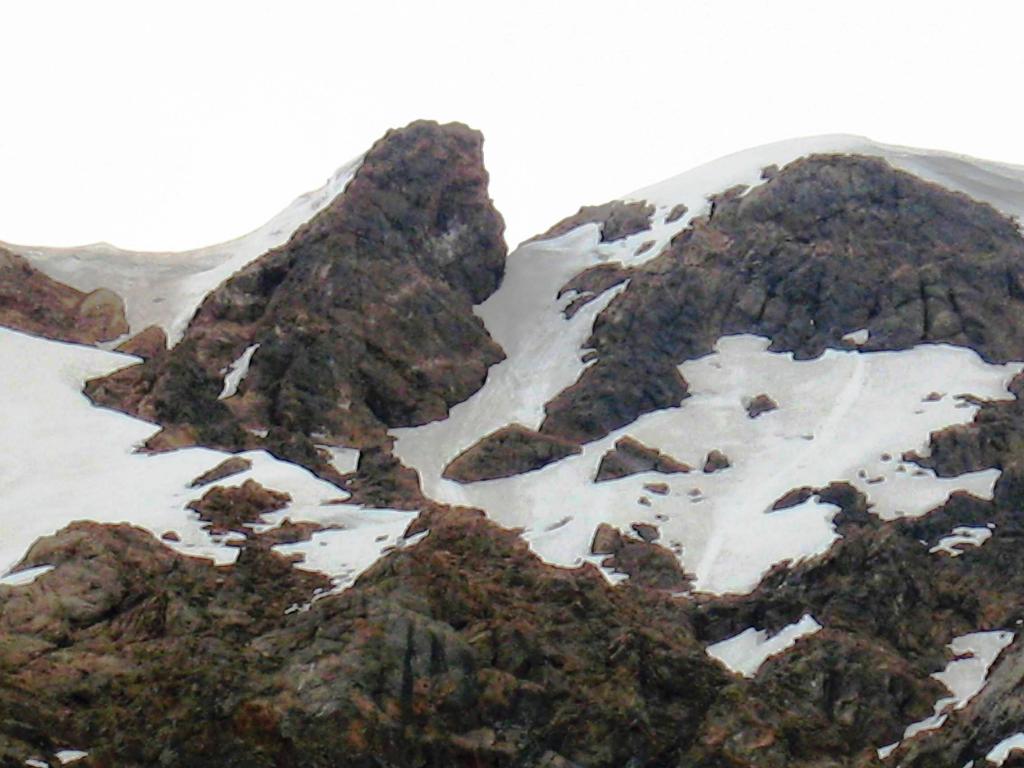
(844, 416)
(67, 460)
(25, 577)
(965, 676)
(236, 372)
(962, 536)
(70, 755)
(1001, 751)
(345, 460)
(345, 551)
(746, 652)
(858, 337)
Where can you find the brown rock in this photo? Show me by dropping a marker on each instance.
(509, 451)
(924, 255)
(648, 565)
(32, 302)
(659, 488)
(617, 220)
(716, 461)
(677, 212)
(149, 343)
(232, 466)
(591, 283)
(236, 508)
(607, 540)
(170, 536)
(646, 531)
(793, 498)
(364, 318)
(759, 404)
(630, 457)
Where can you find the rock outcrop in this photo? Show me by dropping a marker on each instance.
(828, 245)
(631, 457)
(506, 452)
(32, 302)
(361, 322)
(617, 220)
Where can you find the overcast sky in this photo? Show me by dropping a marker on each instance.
(174, 125)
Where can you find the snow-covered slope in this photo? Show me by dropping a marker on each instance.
(846, 416)
(64, 459)
(165, 288)
(838, 415)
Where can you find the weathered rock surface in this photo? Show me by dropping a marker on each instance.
(760, 404)
(716, 461)
(149, 343)
(363, 319)
(509, 451)
(827, 245)
(32, 302)
(631, 457)
(236, 508)
(591, 283)
(232, 466)
(617, 219)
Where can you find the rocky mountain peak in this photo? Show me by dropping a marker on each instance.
(361, 322)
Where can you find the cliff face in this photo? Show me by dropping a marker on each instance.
(465, 642)
(827, 246)
(362, 322)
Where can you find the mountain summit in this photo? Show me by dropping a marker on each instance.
(727, 472)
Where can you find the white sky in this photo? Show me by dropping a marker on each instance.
(173, 125)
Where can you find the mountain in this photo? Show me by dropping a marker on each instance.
(727, 472)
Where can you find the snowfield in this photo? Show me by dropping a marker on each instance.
(66, 460)
(845, 416)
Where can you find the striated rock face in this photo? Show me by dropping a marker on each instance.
(828, 245)
(509, 451)
(32, 302)
(363, 320)
(631, 457)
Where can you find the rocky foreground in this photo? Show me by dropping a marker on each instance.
(462, 647)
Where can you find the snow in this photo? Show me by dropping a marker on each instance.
(746, 652)
(962, 536)
(24, 577)
(70, 755)
(859, 337)
(345, 460)
(33, 763)
(1001, 751)
(165, 288)
(343, 553)
(845, 416)
(965, 676)
(236, 372)
(66, 460)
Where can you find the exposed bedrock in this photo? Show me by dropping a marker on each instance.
(631, 457)
(464, 649)
(508, 451)
(617, 219)
(828, 245)
(32, 302)
(363, 320)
